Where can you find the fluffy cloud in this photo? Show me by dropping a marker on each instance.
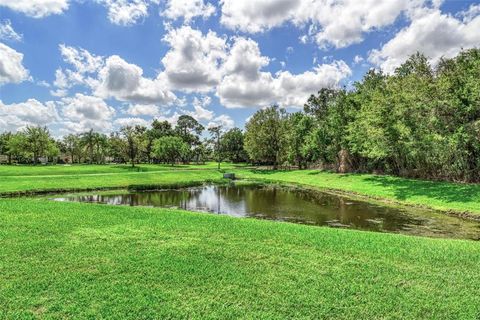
(143, 110)
(82, 113)
(224, 120)
(17, 116)
(358, 59)
(84, 64)
(11, 67)
(120, 12)
(201, 113)
(432, 33)
(123, 122)
(109, 78)
(342, 23)
(7, 32)
(245, 59)
(124, 81)
(470, 14)
(330, 22)
(237, 92)
(245, 84)
(188, 9)
(192, 63)
(36, 8)
(200, 109)
(172, 119)
(127, 12)
(258, 15)
(294, 90)
(81, 59)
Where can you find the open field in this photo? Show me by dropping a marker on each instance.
(42, 170)
(106, 177)
(71, 260)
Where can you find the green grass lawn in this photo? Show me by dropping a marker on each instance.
(81, 181)
(42, 170)
(73, 260)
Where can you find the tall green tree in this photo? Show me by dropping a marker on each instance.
(17, 146)
(38, 141)
(233, 145)
(170, 149)
(265, 136)
(189, 129)
(72, 145)
(216, 133)
(4, 139)
(134, 142)
(159, 129)
(298, 127)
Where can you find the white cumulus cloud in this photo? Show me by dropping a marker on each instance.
(36, 8)
(432, 33)
(17, 116)
(193, 62)
(125, 82)
(246, 85)
(8, 33)
(127, 12)
(331, 23)
(188, 9)
(135, 121)
(11, 67)
(144, 110)
(225, 121)
(82, 113)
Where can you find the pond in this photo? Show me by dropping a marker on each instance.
(298, 206)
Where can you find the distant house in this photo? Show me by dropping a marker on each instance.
(64, 158)
(3, 159)
(43, 160)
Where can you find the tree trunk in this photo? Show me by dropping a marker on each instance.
(344, 164)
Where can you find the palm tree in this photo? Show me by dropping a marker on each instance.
(38, 139)
(88, 140)
(101, 145)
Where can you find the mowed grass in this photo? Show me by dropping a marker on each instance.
(41, 170)
(81, 181)
(73, 260)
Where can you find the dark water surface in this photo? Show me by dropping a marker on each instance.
(295, 205)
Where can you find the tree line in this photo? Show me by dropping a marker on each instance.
(161, 143)
(421, 121)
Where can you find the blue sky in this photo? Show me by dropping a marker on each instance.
(75, 65)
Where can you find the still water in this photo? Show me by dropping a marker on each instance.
(298, 206)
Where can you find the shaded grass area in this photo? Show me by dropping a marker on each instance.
(72, 260)
(433, 194)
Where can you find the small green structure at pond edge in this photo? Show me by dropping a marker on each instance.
(230, 176)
